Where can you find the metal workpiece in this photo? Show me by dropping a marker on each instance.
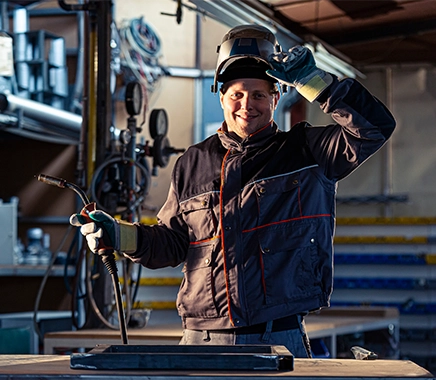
(180, 357)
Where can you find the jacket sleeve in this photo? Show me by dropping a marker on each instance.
(363, 125)
(166, 243)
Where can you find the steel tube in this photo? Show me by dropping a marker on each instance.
(44, 113)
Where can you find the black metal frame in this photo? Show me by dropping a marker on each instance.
(181, 357)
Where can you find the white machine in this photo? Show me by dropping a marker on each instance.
(8, 232)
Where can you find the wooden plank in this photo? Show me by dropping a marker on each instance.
(56, 367)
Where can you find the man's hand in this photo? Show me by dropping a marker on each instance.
(103, 232)
(297, 68)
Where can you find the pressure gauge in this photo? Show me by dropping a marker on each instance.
(125, 136)
(158, 124)
(161, 151)
(133, 98)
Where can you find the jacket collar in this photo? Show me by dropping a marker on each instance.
(259, 138)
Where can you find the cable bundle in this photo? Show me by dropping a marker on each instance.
(141, 52)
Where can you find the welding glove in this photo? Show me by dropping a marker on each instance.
(104, 232)
(297, 68)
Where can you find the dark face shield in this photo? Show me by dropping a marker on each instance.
(245, 42)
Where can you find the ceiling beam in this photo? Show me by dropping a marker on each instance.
(407, 29)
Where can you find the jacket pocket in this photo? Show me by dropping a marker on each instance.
(279, 198)
(290, 262)
(278, 184)
(196, 295)
(198, 213)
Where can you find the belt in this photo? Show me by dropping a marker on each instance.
(281, 324)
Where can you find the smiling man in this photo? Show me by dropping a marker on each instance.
(248, 97)
(250, 212)
(248, 105)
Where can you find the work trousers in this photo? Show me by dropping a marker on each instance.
(295, 340)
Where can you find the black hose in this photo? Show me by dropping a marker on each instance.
(109, 262)
(107, 256)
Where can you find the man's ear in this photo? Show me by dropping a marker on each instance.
(221, 100)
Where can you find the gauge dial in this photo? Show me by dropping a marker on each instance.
(161, 151)
(158, 123)
(133, 98)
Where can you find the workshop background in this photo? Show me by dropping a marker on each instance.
(72, 63)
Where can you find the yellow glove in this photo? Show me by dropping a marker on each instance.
(104, 232)
(297, 68)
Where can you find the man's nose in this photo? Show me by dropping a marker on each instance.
(246, 103)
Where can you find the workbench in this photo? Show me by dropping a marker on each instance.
(55, 367)
(328, 324)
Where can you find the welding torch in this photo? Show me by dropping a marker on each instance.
(106, 252)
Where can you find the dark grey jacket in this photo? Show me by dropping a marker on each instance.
(253, 221)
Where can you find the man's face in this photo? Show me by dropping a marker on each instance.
(248, 105)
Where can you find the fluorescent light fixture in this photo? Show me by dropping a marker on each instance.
(328, 62)
(234, 13)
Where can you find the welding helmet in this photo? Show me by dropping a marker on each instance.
(251, 45)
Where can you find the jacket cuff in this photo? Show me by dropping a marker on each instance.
(128, 237)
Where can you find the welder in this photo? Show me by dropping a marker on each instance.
(250, 212)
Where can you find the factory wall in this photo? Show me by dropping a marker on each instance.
(403, 168)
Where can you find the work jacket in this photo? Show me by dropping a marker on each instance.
(253, 221)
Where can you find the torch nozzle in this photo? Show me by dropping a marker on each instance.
(59, 182)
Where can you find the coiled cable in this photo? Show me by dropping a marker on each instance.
(141, 53)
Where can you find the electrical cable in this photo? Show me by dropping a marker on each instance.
(76, 285)
(43, 283)
(67, 259)
(143, 38)
(89, 287)
(141, 52)
(135, 283)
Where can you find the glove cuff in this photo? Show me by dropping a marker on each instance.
(128, 237)
(314, 84)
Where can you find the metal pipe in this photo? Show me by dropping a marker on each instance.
(44, 113)
(82, 158)
(4, 19)
(198, 88)
(91, 131)
(282, 113)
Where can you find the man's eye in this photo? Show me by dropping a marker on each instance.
(236, 95)
(259, 96)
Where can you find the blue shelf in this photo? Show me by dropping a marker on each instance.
(384, 283)
(408, 308)
(380, 258)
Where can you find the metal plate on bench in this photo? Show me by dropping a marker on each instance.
(181, 357)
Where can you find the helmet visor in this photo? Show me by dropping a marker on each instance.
(232, 49)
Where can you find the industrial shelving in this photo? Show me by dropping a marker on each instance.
(391, 262)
